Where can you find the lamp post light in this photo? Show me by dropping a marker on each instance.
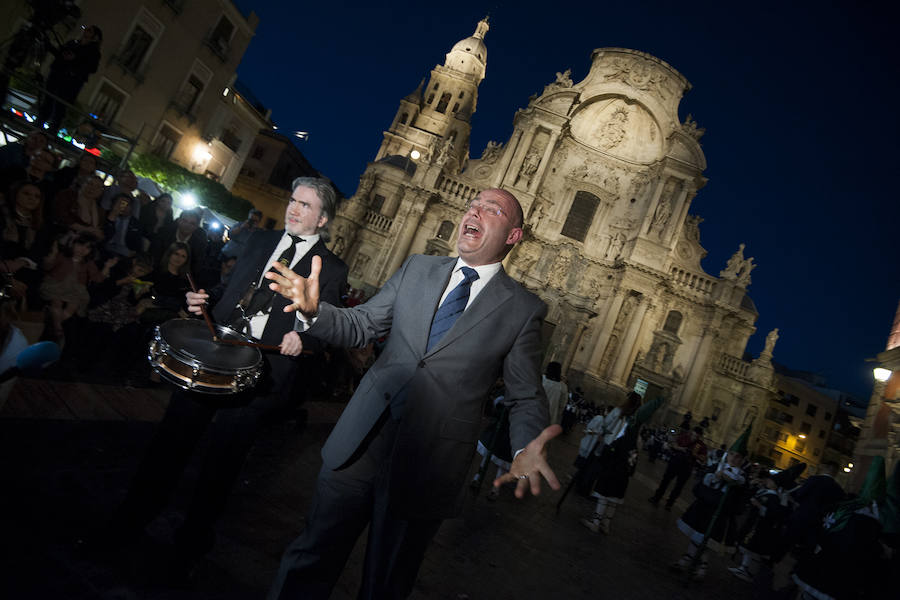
(881, 374)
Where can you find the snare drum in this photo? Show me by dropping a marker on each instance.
(183, 352)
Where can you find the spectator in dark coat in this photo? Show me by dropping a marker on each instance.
(814, 499)
(186, 228)
(72, 65)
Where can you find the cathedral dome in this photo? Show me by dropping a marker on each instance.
(469, 55)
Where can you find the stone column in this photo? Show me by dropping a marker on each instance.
(404, 239)
(697, 368)
(601, 339)
(648, 216)
(545, 160)
(506, 160)
(623, 360)
(580, 328)
(677, 216)
(512, 170)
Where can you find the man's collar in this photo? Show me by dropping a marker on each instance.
(484, 271)
(311, 239)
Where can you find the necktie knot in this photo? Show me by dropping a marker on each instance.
(452, 307)
(469, 274)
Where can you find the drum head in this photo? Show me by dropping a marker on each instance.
(190, 339)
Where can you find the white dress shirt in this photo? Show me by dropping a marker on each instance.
(259, 320)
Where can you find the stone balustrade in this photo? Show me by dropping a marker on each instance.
(692, 281)
(734, 366)
(378, 222)
(452, 188)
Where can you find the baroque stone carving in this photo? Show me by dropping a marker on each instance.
(664, 207)
(692, 227)
(734, 264)
(614, 131)
(690, 128)
(615, 246)
(640, 74)
(771, 338)
(491, 152)
(559, 272)
(563, 81)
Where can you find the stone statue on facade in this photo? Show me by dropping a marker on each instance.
(491, 152)
(614, 131)
(615, 246)
(564, 79)
(662, 213)
(529, 167)
(442, 152)
(734, 264)
(771, 338)
(743, 277)
(690, 128)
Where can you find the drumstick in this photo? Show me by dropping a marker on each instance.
(256, 345)
(209, 323)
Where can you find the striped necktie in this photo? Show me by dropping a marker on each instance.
(453, 306)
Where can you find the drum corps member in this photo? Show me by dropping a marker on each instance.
(247, 305)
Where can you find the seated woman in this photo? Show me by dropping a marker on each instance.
(69, 268)
(23, 216)
(170, 283)
(76, 210)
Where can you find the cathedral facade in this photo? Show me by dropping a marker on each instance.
(605, 172)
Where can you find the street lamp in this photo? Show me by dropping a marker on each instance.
(881, 375)
(415, 155)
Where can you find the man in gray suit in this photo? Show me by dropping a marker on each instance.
(398, 458)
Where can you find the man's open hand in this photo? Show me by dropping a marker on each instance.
(531, 464)
(302, 292)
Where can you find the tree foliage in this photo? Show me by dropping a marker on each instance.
(209, 193)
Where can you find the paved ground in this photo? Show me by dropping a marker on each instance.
(67, 451)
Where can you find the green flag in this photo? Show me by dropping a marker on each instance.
(643, 414)
(740, 444)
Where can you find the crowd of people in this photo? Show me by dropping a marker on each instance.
(756, 515)
(103, 264)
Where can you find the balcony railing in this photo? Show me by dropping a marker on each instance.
(452, 188)
(733, 366)
(693, 282)
(378, 222)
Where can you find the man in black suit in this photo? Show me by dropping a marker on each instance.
(399, 456)
(311, 207)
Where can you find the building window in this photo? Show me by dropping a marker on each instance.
(442, 105)
(136, 49)
(827, 416)
(800, 446)
(772, 414)
(461, 94)
(580, 216)
(220, 38)
(189, 94)
(786, 418)
(166, 140)
(445, 231)
(403, 118)
(258, 152)
(231, 140)
(776, 455)
(377, 203)
(795, 461)
(805, 428)
(455, 106)
(811, 409)
(782, 437)
(107, 102)
(822, 433)
(430, 99)
(673, 322)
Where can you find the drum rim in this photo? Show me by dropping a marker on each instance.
(223, 331)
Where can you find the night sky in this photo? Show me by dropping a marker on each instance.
(799, 103)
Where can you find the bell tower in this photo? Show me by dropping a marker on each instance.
(435, 119)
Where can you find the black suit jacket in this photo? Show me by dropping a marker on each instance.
(254, 262)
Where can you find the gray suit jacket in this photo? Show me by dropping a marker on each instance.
(498, 334)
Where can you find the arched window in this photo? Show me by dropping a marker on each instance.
(430, 98)
(442, 105)
(403, 118)
(581, 214)
(673, 322)
(445, 231)
(461, 94)
(456, 107)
